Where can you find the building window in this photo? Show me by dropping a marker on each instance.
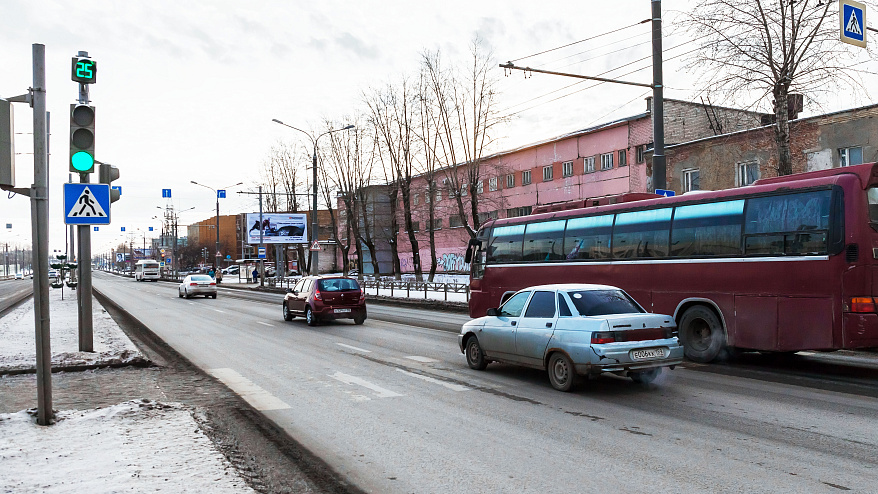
(850, 156)
(490, 215)
(454, 222)
(493, 184)
(623, 157)
(641, 153)
(463, 190)
(691, 180)
(510, 180)
(437, 223)
(416, 226)
(438, 194)
(606, 161)
(525, 177)
(480, 187)
(547, 173)
(417, 199)
(516, 212)
(567, 169)
(589, 164)
(746, 173)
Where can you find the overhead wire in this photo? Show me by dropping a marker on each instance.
(581, 41)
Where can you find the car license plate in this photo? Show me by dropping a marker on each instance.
(648, 353)
(342, 310)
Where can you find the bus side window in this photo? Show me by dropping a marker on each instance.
(506, 243)
(588, 237)
(788, 224)
(642, 234)
(712, 229)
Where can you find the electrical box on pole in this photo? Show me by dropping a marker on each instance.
(106, 175)
(82, 138)
(7, 144)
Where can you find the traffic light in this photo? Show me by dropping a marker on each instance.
(7, 144)
(106, 174)
(82, 138)
(84, 70)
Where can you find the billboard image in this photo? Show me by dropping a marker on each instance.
(277, 228)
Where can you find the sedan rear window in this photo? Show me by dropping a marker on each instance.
(602, 302)
(338, 285)
(201, 277)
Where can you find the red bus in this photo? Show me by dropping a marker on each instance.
(783, 265)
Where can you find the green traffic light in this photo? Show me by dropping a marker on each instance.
(82, 161)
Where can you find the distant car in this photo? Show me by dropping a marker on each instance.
(231, 270)
(19, 276)
(319, 298)
(197, 284)
(572, 330)
(53, 273)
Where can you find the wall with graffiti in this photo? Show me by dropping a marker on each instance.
(451, 261)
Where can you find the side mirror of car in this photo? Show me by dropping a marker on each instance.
(493, 312)
(289, 290)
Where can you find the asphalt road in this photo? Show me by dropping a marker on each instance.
(394, 408)
(12, 292)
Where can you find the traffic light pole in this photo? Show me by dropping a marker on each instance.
(84, 294)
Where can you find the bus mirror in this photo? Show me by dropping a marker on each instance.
(468, 257)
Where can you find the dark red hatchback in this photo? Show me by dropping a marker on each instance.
(319, 298)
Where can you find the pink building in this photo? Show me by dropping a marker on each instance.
(605, 160)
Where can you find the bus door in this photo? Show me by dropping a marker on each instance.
(535, 328)
(497, 337)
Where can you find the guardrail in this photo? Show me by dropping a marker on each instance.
(417, 287)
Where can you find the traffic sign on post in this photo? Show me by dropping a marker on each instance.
(666, 193)
(166, 193)
(315, 245)
(261, 253)
(852, 20)
(86, 204)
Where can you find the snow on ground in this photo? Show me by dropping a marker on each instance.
(137, 446)
(18, 336)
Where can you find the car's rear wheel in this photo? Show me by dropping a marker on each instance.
(702, 334)
(188, 296)
(180, 293)
(359, 320)
(562, 373)
(475, 358)
(645, 376)
(310, 318)
(213, 296)
(288, 316)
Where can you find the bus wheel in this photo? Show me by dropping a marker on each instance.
(702, 334)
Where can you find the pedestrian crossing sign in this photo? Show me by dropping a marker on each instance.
(852, 17)
(86, 204)
(315, 245)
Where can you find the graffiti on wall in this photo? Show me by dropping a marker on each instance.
(449, 263)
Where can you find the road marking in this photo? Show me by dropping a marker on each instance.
(354, 348)
(424, 360)
(451, 386)
(259, 398)
(381, 392)
(220, 311)
(265, 324)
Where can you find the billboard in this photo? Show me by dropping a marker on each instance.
(277, 228)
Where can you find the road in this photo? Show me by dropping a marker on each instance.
(394, 408)
(14, 291)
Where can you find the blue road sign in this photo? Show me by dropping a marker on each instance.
(852, 17)
(261, 253)
(119, 188)
(86, 204)
(666, 193)
(220, 194)
(123, 228)
(97, 228)
(166, 193)
(150, 228)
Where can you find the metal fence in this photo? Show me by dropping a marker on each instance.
(397, 288)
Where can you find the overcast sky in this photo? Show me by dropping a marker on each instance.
(186, 91)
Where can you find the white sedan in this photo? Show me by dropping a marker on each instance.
(197, 284)
(573, 330)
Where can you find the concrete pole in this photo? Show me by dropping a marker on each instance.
(659, 168)
(261, 245)
(39, 197)
(314, 223)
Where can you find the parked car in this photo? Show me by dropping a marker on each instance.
(232, 270)
(19, 276)
(319, 298)
(53, 273)
(197, 284)
(572, 330)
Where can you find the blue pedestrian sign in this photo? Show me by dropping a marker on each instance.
(86, 204)
(166, 193)
(666, 193)
(220, 194)
(852, 19)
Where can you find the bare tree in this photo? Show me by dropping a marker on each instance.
(775, 48)
(430, 164)
(464, 111)
(393, 113)
(282, 184)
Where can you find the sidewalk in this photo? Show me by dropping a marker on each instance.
(137, 445)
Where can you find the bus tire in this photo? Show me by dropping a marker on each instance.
(702, 334)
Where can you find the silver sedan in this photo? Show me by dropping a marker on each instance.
(572, 330)
(197, 284)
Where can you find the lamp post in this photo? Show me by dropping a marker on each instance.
(314, 224)
(216, 193)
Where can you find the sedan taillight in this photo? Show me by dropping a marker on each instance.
(193, 284)
(603, 337)
(212, 283)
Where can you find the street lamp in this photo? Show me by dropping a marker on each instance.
(216, 193)
(314, 225)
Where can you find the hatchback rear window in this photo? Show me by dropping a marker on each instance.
(602, 302)
(338, 285)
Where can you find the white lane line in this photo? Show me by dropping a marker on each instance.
(354, 348)
(252, 394)
(451, 386)
(425, 360)
(265, 324)
(380, 392)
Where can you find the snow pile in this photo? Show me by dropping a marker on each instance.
(18, 342)
(137, 446)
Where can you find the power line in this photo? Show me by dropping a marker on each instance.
(582, 40)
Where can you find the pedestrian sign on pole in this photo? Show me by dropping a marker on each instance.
(315, 245)
(86, 204)
(852, 20)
